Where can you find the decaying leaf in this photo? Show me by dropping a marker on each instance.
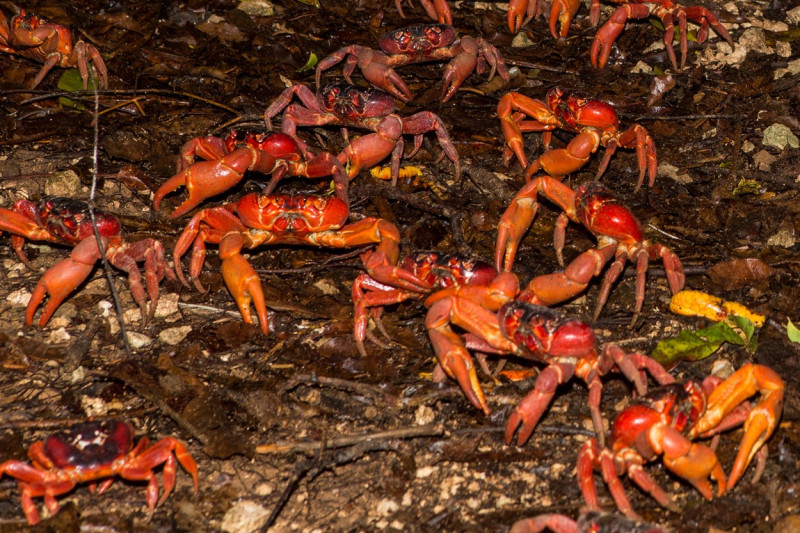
(738, 273)
(697, 345)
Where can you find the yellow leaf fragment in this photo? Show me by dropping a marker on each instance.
(697, 303)
(385, 173)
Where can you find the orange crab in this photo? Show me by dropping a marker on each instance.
(595, 122)
(36, 38)
(668, 420)
(96, 452)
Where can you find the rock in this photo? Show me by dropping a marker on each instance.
(257, 8)
(245, 517)
(778, 136)
(174, 336)
(65, 183)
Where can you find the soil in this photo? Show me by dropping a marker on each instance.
(297, 431)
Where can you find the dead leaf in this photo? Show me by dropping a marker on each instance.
(739, 273)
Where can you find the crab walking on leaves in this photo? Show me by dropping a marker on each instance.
(371, 109)
(496, 322)
(67, 221)
(595, 122)
(96, 452)
(619, 236)
(227, 160)
(36, 38)
(422, 43)
(269, 219)
(668, 420)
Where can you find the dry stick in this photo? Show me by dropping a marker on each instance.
(62, 422)
(363, 389)
(430, 430)
(101, 247)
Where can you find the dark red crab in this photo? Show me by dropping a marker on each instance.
(667, 11)
(36, 38)
(498, 321)
(619, 237)
(66, 221)
(96, 452)
(371, 109)
(421, 43)
(588, 522)
(226, 160)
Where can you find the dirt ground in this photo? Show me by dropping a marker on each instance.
(280, 426)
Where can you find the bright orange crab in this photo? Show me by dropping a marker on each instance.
(92, 452)
(619, 236)
(67, 221)
(36, 38)
(261, 219)
(595, 122)
(667, 421)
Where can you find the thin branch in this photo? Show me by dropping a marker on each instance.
(431, 430)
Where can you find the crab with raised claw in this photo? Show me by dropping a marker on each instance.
(421, 43)
(439, 270)
(596, 123)
(371, 109)
(67, 221)
(226, 160)
(619, 236)
(36, 38)
(268, 219)
(588, 522)
(498, 321)
(667, 11)
(668, 420)
(96, 452)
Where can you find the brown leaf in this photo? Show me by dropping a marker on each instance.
(738, 273)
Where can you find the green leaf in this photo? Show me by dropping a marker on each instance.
(71, 81)
(792, 332)
(746, 186)
(310, 64)
(697, 345)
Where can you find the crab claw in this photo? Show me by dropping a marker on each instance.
(562, 11)
(242, 280)
(530, 410)
(62, 279)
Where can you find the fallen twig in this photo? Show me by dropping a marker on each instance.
(431, 430)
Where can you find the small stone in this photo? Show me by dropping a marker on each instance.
(174, 336)
(521, 41)
(138, 340)
(722, 368)
(784, 237)
(19, 297)
(424, 415)
(245, 517)
(326, 286)
(424, 472)
(64, 183)
(793, 15)
(671, 171)
(748, 147)
(641, 68)
(257, 8)
(387, 507)
(779, 136)
(58, 336)
(167, 305)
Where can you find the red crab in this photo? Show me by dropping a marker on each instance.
(228, 159)
(667, 11)
(588, 522)
(96, 452)
(667, 421)
(619, 236)
(46, 42)
(372, 109)
(439, 270)
(497, 323)
(66, 221)
(519, 13)
(418, 44)
(260, 219)
(595, 122)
